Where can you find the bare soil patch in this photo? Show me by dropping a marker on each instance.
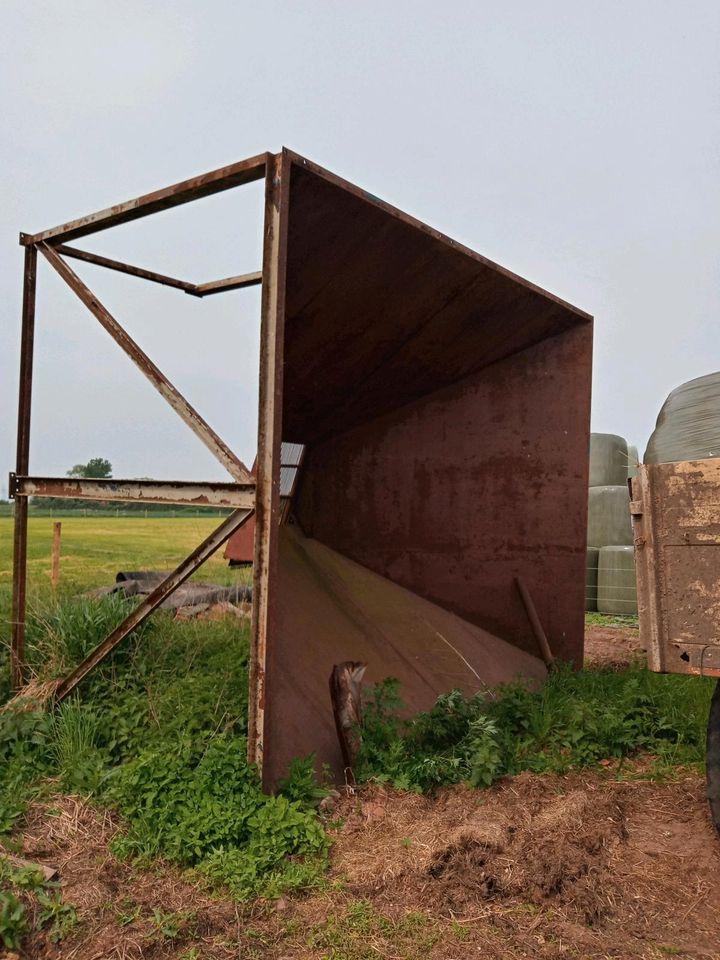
(613, 646)
(546, 867)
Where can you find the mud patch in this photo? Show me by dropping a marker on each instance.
(561, 853)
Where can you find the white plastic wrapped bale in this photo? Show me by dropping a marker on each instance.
(688, 425)
(591, 578)
(609, 522)
(633, 460)
(617, 590)
(608, 460)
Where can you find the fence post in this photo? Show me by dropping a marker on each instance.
(55, 574)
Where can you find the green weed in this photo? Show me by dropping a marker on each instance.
(28, 903)
(172, 926)
(201, 805)
(574, 720)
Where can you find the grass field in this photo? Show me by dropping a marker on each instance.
(95, 548)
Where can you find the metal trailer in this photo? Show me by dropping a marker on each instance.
(436, 526)
(675, 509)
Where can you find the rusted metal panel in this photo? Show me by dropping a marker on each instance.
(456, 494)
(188, 493)
(234, 175)
(676, 519)
(17, 648)
(330, 609)
(382, 310)
(240, 549)
(234, 466)
(444, 404)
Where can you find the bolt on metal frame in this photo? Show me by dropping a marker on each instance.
(248, 494)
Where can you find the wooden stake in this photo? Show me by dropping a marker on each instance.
(55, 576)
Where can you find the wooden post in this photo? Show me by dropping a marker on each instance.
(55, 575)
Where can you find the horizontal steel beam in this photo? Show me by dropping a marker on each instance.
(153, 600)
(192, 493)
(230, 283)
(193, 189)
(121, 267)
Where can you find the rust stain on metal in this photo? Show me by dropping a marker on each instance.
(444, 407)
(17, 649)
(267, 468)
(675, 514)
(148, 491)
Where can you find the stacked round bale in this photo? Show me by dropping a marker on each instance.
(610, 563)
(688, 425)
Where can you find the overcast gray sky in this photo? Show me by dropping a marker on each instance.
(575, 143)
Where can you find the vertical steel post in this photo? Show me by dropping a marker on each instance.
(267, 490)
(17, 653)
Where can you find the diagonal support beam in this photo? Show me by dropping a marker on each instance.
(235, 467)
(87, 257)
(153, 600)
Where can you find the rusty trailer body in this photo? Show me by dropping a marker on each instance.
(435, 527)
(676, 520)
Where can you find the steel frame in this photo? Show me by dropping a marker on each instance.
(241, 494)
(451, 318)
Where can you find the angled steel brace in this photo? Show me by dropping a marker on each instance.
(194, 289)
(235, 467)
(121, 267)
(153, 600)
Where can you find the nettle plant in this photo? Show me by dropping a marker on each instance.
(575, 719)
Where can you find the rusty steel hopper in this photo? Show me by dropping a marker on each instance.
(435, 527)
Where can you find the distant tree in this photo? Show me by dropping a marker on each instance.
(98, 469)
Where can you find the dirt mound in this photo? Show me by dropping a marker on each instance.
(560, 853)
(606, 868)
